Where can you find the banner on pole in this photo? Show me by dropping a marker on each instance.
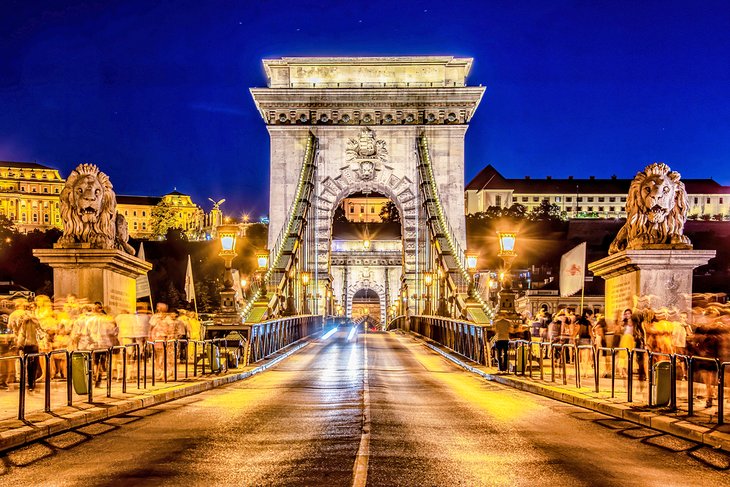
(572, 271)
(189, 283)
(142, 282)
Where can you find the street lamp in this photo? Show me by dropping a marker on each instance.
(428, 281)
(290, 308)
(471, 267)
(227, 235)
(304, 276)
(262, 259)
(328, 302)
(507, 241)
(443, 305)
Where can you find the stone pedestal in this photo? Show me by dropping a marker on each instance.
(653, 278)
(108, 276)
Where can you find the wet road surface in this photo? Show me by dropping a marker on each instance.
(322, 418)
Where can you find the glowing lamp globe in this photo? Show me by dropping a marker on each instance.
(262, 259)
(507, 242)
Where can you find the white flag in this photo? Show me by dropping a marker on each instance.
(189, 284)
(142, 282)
(572, 270)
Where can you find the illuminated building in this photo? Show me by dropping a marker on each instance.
(29, 195)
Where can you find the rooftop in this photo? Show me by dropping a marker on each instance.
(346, 72)
(490, 179)
(24, 165)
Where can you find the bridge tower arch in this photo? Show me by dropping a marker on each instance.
(367, 115)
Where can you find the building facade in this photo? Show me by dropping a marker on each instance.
(364, 209)
(29, 195)
(584, 198)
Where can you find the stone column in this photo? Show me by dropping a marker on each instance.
(104, 275)
(656, 278)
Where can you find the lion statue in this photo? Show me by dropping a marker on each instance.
(89, 211)
(656, 210)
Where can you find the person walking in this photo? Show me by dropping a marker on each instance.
(502, 328)
(29, 332)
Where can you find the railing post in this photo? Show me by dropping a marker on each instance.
(630, 379)
(109, 373)
(69, 378)
(690, 387)
(21, 388)
(721, 393)
(124, 370)
(91, 377)
(174, 359)
(673, 384)
(47, 392)
(613, 372)
(650, 356)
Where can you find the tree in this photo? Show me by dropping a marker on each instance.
(389, 213)
(164, 217)
(546, 211)
(7, 231)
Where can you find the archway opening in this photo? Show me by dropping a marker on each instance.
(366, 303)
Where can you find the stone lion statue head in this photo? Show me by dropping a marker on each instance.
(656, 211)
(88, 208)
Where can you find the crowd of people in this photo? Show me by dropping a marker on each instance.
(706, 334)
(42, 326)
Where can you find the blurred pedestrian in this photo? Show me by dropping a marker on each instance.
(29, 331)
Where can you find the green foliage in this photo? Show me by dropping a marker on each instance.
(514, 212)
(164, 218)
(389, 213)
(546, 211)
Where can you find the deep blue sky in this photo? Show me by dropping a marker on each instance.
(156, 92)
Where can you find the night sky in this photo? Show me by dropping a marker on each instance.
(156, 92)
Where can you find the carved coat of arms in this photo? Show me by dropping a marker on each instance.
(365, 154)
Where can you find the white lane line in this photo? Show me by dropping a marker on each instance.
(360, 470)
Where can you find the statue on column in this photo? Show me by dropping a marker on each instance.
(656, 211)
(89, 212)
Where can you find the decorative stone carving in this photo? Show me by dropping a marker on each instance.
(365, 154)
(89, 212)
(656, 210)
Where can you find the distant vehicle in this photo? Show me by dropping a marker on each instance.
(10, 290)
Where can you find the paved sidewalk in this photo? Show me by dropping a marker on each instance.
(39, 424)
(702, 427)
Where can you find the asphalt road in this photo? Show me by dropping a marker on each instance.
(322, 418)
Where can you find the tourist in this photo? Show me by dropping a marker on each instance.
(28, 331)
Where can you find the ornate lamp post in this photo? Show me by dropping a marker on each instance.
(443, 309)
(471, 267)
(428, 281)
(227, 235)
(304, 276)
(290, 309)
(507, 253)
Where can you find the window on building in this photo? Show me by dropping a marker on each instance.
(600, 208)
(568, 208)
(45, 190)
(45, 218)
(144, 213)
(352, 209)
(135, 225)
(144, 226)
(524, 199)
(134, 213)
(697, 200)
(126, 213)
(372, 209)
(557, 199)
(56, 191)
(35, 217)
(623, 199)
(362, 209)
(569, 199)
(22, 188)
(535, 199)
(590, 199)
(612, 199)
(720, 200)
(601, 199)
(579, 208)
(613, 208)
(708, 201)
(590, 208)
(498, 200)
(579, 199)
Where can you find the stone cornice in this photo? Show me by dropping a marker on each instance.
(632, 260)
(368, 106)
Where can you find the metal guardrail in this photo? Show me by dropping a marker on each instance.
(199, 358)
(461, 337)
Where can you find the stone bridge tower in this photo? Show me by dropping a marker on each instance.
(367, 114)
